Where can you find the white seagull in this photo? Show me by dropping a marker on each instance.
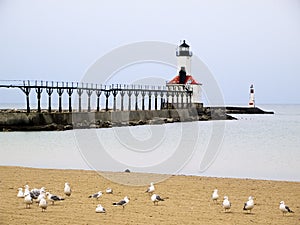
(43, 204)
(20, 193)
(100, 209)
(215, 195)
(109, 191)
(226, 204)
(53, 198)
(249, 205)
(156, 198)
(122, 203)
(96, 195)
(26, 190)
(67, 189)
(28, 200)
(284, 208)
(151, 188)
(42, 195)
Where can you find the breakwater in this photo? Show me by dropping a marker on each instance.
(17, 120)
(241, 110)
(20, 120)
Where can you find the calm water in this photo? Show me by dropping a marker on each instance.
(255, 146)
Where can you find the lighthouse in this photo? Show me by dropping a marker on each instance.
(184, 80)
(184, 56)
(251, 97)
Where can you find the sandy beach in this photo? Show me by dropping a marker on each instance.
(188, 199)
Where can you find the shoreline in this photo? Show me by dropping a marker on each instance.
(150, 173)
(188, 199)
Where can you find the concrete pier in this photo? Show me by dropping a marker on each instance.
(20, 120)
(14, 120)
(122, 105)
(241, 110)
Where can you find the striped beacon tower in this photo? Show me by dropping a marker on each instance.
(251, 97)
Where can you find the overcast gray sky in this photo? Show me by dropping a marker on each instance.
(242, 42)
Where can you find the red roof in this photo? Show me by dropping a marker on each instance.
(188, 80)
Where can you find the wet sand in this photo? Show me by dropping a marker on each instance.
(189, 199)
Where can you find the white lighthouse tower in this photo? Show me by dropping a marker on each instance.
(251, 97)
(184, 80)
(184, 55)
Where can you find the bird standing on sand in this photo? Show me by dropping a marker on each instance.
(249, 205)
(42, 195)
(100, 209)
(284, 208)
(53, 198)
(215, 195)
(156, 198)
(35, 192)
(226, 204)
(20, 193)
(43, 204)
(122, 203)
(96, 195)
(26, 190)
(67, 189)
(151, 188)
(109, 191)
(28, 200)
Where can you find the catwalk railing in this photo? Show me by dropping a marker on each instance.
(176, 96)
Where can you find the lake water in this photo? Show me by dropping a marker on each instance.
(255, 146)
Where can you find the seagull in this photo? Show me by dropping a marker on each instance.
(109, 191)
(53, 198)
(123, 202)
(42, 195)
(20, 193)
(100, 209)
(249, 205)
(26, 190)
(284, 208)
(151, 188)
(96, 195)
(215, 195)
(43, 204)
(156, 198)
(28, 201)
(67, 189)
(226, 204)
(34, 193)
